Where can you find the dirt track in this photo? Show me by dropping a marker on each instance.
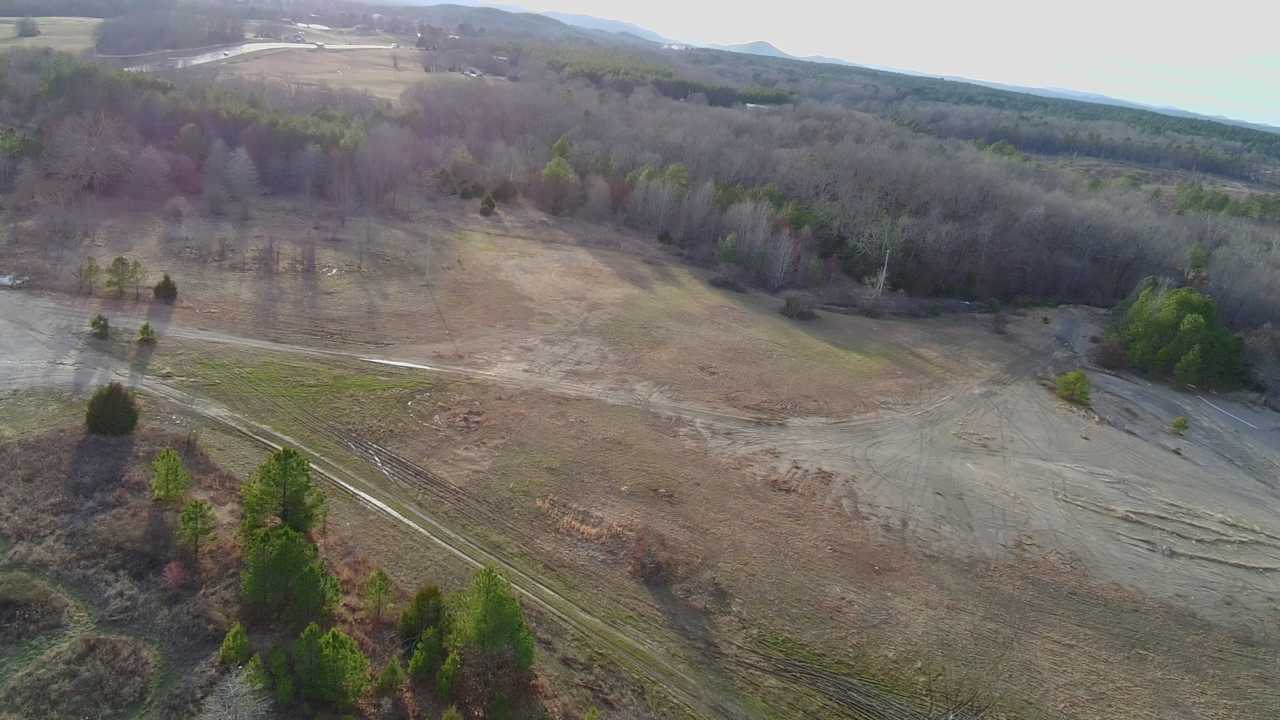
(995, 468)
(985, 470)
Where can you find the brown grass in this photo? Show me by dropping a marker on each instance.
(95, 676)
(369, 71)
(77, 509)
(28, 608)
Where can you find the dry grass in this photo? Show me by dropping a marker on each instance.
(67, 34)
(371, 71)
(28, 608)
(94, 676)
(77, 510)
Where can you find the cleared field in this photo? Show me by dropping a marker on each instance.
(373, 71)
(67, 34)
(793, 518)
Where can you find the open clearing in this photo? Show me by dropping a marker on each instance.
(371, 71)
(841, 509)
(67, 34)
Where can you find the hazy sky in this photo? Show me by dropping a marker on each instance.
(1216, 58)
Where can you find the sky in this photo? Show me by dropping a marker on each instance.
(1219, 58)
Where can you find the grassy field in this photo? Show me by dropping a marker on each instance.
(565, 487)
(373, 71)
(68, 34)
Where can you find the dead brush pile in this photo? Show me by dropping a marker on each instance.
(649, 555)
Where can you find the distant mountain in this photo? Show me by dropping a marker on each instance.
(759, 47)
(1079, 96)
(765, 49)
(555, 25)
(588, 22)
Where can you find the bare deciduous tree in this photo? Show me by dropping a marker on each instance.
(89, 151)
(236, 698)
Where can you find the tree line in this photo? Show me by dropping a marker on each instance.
(787, 195)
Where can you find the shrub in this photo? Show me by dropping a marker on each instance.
(1179, 425)
(235, 649)
(799, 306)
(330, 667)
(391, 679)
(1074, 387)
(166, 290)
(452, 713)
(425, 610)
(487, 205)
(146, 334)
(174, 576)
(112, 411)
(1178, 332)
(100, 326)
(169, 480)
